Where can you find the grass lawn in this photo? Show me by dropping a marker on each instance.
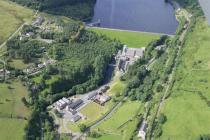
(12, 129)
(12, 16)
(132, 39)
(73, 127)
(122, 122)
(18, 63)
(107, 137)
(10, 100)
(117, 87)
(187, 113)
(93, 111)
(11, 105)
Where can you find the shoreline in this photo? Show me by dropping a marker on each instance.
(124, 30)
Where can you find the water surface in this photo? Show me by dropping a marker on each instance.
(139, 15)
(205, 4)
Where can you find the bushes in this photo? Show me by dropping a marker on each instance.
(94, 134)
(162, 118)
(25, 50)
(82, 127)
(203, 137)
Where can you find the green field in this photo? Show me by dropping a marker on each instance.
(12, 129)
(132, 39)
(10, 100)
(117, 87)
(93, 111)
(108, 137)
(12, 16)
(122, 123)
(188, 109)
(11, 108)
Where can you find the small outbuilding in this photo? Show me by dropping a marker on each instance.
(142, 130)
(75, 118)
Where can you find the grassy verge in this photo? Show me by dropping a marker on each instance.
(132, 39)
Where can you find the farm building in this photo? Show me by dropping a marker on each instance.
(129, 56)
(142, 130)
(92, 95)
(75, 118)
(102, 99)
(73, 112)
(75, 104)
(133, 52)
(62, 103)
(38, 21)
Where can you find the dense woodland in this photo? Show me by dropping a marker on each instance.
(82, 58)
(69, 8)
(141, 80)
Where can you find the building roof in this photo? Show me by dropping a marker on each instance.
(75, 118)
(62, 102)
(66, 100)
(76, 104)
(90, 96)
(73, 112)
(130, 52)
(139, 52)
(143, 126)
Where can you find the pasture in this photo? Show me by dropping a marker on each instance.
(117, 87)
(12, 129)
(132, 39)
(93, 111)
(122, 122)
(12, 111)
(18, 64)
(188, 107)
(10, 100)
(12, 17)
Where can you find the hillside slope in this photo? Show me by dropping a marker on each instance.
(70, 8)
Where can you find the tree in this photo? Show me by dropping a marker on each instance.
(159, 88)
(94, 134)
(23, 99)
(158, 131)
(162, 118)
(82, 127)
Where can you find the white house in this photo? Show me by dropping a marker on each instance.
(142, 130)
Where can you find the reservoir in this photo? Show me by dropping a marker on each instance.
(137, 15)
(205, 4)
